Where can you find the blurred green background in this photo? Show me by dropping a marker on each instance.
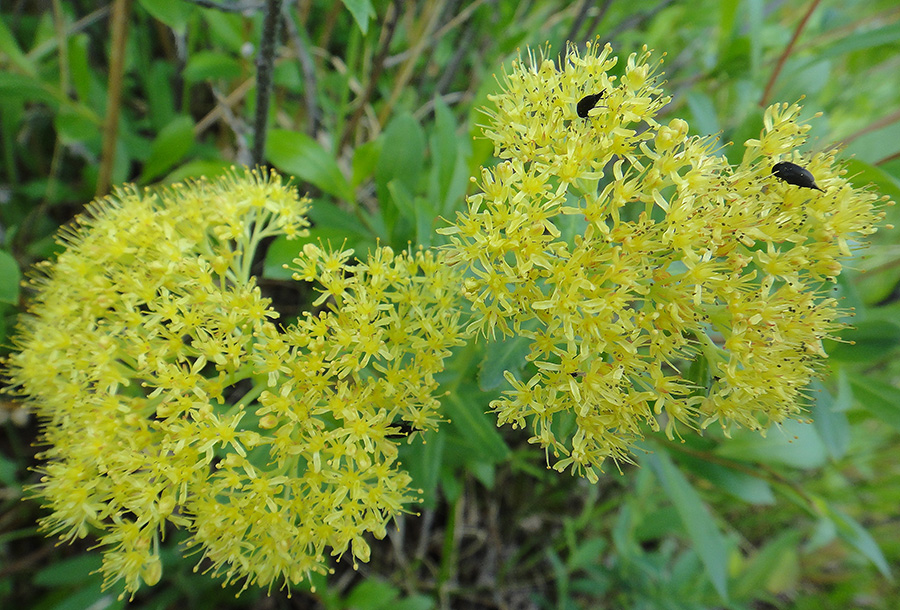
(374, 110)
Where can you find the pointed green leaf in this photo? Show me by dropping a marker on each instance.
(80, 71)
(449, 169)
(739, 484)
(365, 158)
(708, 541)
(866, 341)
(507, 354)
(859, 538)
(72, 571)
(792, 443)
(372, 594)
(173, 13)
(211, 65)
(298, 154)
(423, 459)
(402, 159)
(767, 568)
(362, 11)
(9, 47)
(12, 275)
(473, 426)
(172, 143)
(19, 86)
(831, 424)
(878, 398)
(705, 121)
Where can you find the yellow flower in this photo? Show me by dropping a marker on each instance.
(633, 257)
(169, 395)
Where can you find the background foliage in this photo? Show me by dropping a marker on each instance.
(374, 110)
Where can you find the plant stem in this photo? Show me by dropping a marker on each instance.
(763, 102)
(264, 62)
(393, 15)
(120, 18)
(432, 13)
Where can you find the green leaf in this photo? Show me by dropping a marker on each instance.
(449, 176)
(73, 571)
(808, 79)
(507, 354)
(74, 126)
(226, 29)
(279, 253)
(862, 174)
(753, 22)
(10, 49)
(298, 154)
(80, 68)
(372, 594)
(195, 168)
(728, 12)
(174, 141)
(414, 602)
(878, 398)
(10, 276)
(859, 538)
(426, 219)
(451, 486)
(210, 65)
(423, 459)
(402, 159)
(866, 341)
(174, 13)
(419, 210)
(705, 121)
(830, 422)
(8, 470)
(362, 11)
(863, 39)
(768, 567)
(792, 443)
(405, 223)
(473, 426)
(875, 145)
(365, 157)
(90, 595)
(586, 554)
(708, 541)
(739, 484)
(484, 472)
(324, 213)
(19, 86)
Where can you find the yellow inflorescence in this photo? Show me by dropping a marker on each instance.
(628, 252)
(653, 280)
(169, 396)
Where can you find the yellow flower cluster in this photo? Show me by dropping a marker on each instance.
(169, 396)
(649, 275)
(654, 281)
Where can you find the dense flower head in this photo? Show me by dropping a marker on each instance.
(650, 275)
(170, 397)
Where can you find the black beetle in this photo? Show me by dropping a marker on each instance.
(796, 175)
(586, 103)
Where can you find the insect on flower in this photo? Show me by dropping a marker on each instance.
(796, 175)
(586, 103)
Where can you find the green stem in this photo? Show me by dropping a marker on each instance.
(448, 552)
(247, 398)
